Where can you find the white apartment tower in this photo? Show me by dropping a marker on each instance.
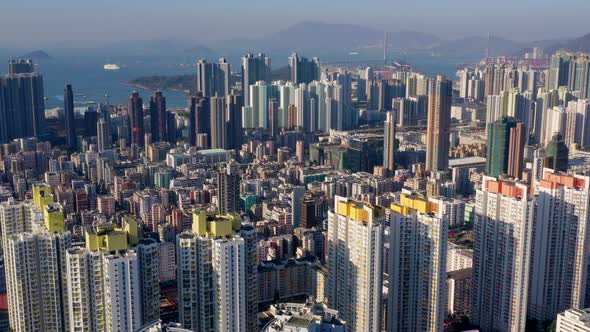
(501, 258)
(105, 290)
(561, 245)
(355, 241)
(35, 280)
(417, 269)
(211, 275)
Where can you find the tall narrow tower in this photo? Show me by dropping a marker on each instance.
(385, 49)
(70, 120)
(439, 123)
(389, 144)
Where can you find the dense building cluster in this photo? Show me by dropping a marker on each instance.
(343, 199)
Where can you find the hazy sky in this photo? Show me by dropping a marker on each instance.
(43, 22)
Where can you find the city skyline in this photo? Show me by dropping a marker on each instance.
(318, 177)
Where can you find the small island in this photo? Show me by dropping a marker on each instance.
(187, 83)
(37, 55)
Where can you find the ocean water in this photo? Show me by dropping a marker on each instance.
(91, 83)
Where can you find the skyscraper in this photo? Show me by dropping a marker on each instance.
(273, 117)
(211, 263)
(439, 122)
(171, 127)
(103, 138)
(70, 119)
(255, 115)
(556, 154)
(213, 79)
(355, 270)
(158, 117)
(304, 70)
(501, 259)
(518, 137)
(254, 69)
(417, 267)
(111, 286)
(135, 114)
(105, 288)
(22, 103)
(249, 234)
(35, 265)
(218, 123)
(228, 186)
(200, 114)
(389, 143)
(90, 120)
(571, 70)
(20, 66)
(234, 104)
(147, 251)
(560, 248)
(506, 140)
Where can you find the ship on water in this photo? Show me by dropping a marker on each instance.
(111, 66)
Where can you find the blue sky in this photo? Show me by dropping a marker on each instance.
(59, 21)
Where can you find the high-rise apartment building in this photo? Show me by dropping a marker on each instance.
(304, 70)
(556, 154)
(22, 103)
(506, 141)
(158, 117)
(504, 214)
(111, 286)
(439, 123)
(135, 114)
(228, 186)
(20, 66)
(211, 263)
(70, 118)
(148, 255)
(560, 248)
(417, 266)
(389, 143)
(249, 234)
(105, 290)
(35, 265)
(355, 267)
(213, 79)
(234, 104)
(571, 70)
(103, 135)
(254, 69)
(573, 320)
(218, 123)
(200, 114)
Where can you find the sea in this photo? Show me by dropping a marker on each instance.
(83, 69)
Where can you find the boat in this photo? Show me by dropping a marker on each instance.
(111, 66)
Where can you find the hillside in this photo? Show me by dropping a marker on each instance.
(580, 44)
(37, 55)
(187, 82)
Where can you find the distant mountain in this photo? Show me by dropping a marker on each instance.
(200, 51)
(317, 37)
(477, 45)
(580, 44)
(170, 43)
(37, 55)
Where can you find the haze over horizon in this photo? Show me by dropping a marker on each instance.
(69, 23)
